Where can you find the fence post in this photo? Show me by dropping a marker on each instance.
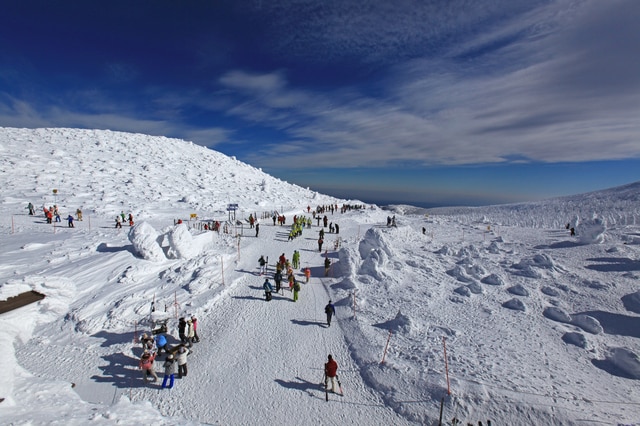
(385, 348)
(446, 364)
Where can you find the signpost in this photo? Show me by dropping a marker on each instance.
(232, 208)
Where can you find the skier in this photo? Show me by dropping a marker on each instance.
(182, 327)
(327, 265)
(262, 264)
(196, 338)
(70, 221)
(146, 365)
(267, 289)
(182, 361)
(330, 373)
(330, 310)
(169, 371)
(296, 290)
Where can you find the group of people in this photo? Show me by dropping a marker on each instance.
(122, 217)
(176, 357)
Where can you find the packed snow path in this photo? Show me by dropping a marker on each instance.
(278, 353)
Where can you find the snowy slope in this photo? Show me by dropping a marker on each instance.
(540, 327)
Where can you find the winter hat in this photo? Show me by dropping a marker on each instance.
(170, 356)
(330, 357)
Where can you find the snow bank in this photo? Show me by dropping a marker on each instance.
(181, 244)
(591, 231)
(146, 243)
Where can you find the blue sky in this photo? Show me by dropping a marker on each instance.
(424, 102)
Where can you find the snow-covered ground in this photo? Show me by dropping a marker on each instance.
(540, 327)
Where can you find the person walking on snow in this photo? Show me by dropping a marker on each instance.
(263, 265)
(169, 371)
(146, 365)
(320, 241)
(190, 332)
(327, 265)
(182, 328)
(295, 259)
(181, 359)
(307, 274)
(278, 279)
(70, 221)
(196, 338)
(330, 373)
(257, 229)
(296, 290)
(118, 222)
(267, 289)
(330, 310)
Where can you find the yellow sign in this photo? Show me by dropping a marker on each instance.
(55, 191)
(194, 215)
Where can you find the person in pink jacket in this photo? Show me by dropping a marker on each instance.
(146, 365)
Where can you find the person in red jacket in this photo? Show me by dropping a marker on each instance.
(146, 365)
(331, 373)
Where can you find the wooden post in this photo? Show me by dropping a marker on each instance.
(446, 364)
(385, 348)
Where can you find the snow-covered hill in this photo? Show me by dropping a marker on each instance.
(540, 327)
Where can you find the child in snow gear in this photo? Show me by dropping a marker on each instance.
(169, 371)
(146, 365)
(330, 310)
(330, 373)
(267, 289)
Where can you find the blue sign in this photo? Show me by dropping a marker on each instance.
(232, 207)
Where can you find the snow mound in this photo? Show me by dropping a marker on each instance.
(557, 314)
(181, 243)
(592, 231)
(493, 279)
(631, 302)
(577, 339)
(622, 362)
(518, 290)
(145, 240)
(515, 304)
(587, 323)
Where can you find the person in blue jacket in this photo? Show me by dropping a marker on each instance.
(161, 343)
(330, 310)
(267, 289)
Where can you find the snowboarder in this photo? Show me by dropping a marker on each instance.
(330, 373)
(267, 289)
(169, 371)
(330, 310)
(146, 365)
(327, 265)
(181, 359)
(263, 265)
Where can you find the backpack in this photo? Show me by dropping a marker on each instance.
(296, 286)
(327, 309)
